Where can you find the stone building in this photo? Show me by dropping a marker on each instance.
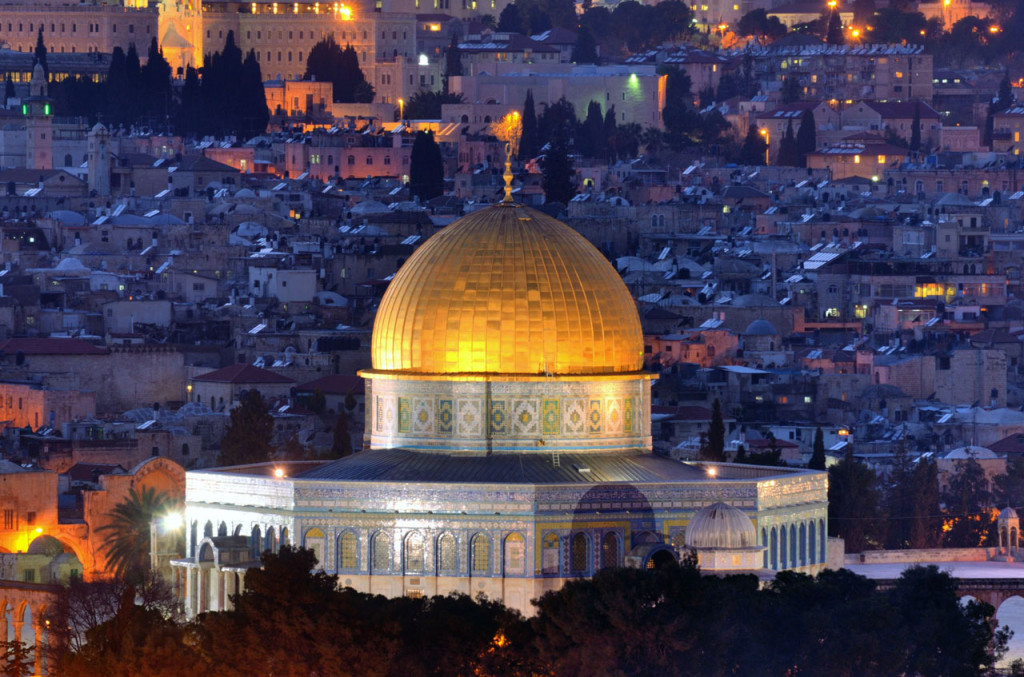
(509, 442)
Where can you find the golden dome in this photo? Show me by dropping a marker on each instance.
(507, 290)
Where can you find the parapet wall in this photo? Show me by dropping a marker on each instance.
(922, 555)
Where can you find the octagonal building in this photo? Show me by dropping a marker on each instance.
(507, 445)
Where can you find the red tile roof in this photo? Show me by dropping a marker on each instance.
(243, 373)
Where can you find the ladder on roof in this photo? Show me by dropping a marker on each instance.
(555, 460)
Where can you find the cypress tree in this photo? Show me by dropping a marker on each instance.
(156, 81)
(452, 62)
(752, 151)
(557, 179)
(592, 139)
(789, 155)
(191, 110)
(585, 50)
(40, 52)
(835, 30)
(426, 168)
(806, 141)
(817, 461)
(716, 433)
(915, 129)
(117, 87)
(616, 146)
(528, 142)
(255, 115)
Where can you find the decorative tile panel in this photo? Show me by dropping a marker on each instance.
(525, 420)
(594, 417)
(627, 415)
(552, 417)
(445, 417)
(575, 416)
(423, 415)
(613, 416)
(469, 417)
(498, 417)
(404, 415)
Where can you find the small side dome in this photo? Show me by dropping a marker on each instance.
(761, 327)
(972, 451)
(721, 526)
(1008, 513)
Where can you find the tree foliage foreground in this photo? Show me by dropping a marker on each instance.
(294, 620)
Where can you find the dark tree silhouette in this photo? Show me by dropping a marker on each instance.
(126, 538)
(817, 461)
(40, 52)
(426, 168)
(557, 179)
(528, 143)
(328, 62)
(247, 438)
(806, 137)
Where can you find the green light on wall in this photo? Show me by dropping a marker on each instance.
(46, 109)
(24, 109)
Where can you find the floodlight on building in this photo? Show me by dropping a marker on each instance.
(279, 473)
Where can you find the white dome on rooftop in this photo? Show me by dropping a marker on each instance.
(720, 525)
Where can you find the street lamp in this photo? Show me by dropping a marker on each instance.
(763, 131)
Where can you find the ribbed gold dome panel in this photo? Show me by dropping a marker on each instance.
(507, 290)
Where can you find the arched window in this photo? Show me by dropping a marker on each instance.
(783, 540)
(381, 555)
(803, 544)
(446, 554)
(414, 553)
(515, 555)
(822, 537)
(610, 550)
(348, 548)
(314, 539)
(480, 553)
(351, 160)
(222, 530)
(792, 545)
(812, 542)
(550, 554)
(67, 160)
(775, 549)
(764, 542)
(284, 536)
(255, 543)
(192, 540)
(580, 554)
(271, 543)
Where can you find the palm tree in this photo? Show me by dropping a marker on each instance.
(127, 535)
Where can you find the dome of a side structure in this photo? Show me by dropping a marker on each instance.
(721, 526)
(1008, 513)
(761, 327)
(507, 290)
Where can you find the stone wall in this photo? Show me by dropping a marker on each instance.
(923, 555)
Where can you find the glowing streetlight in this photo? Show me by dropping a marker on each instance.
(763, 131)
(279, 473)
(712, 472)
(832, 4)
(173, 520)
(994, 28)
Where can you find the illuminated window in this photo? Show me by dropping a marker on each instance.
(856, 159)
(881, 159)
(550, 554)
(347, 551)
(899, 75)
(609, 550)
(515, 554)
(480, 551)
(446, 561)
(807, 399)
(381, 556)
(414, 552)
(580, 554)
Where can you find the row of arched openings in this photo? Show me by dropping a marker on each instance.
(414, 558)
(794, 545)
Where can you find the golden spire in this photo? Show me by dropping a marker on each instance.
(509, 129)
